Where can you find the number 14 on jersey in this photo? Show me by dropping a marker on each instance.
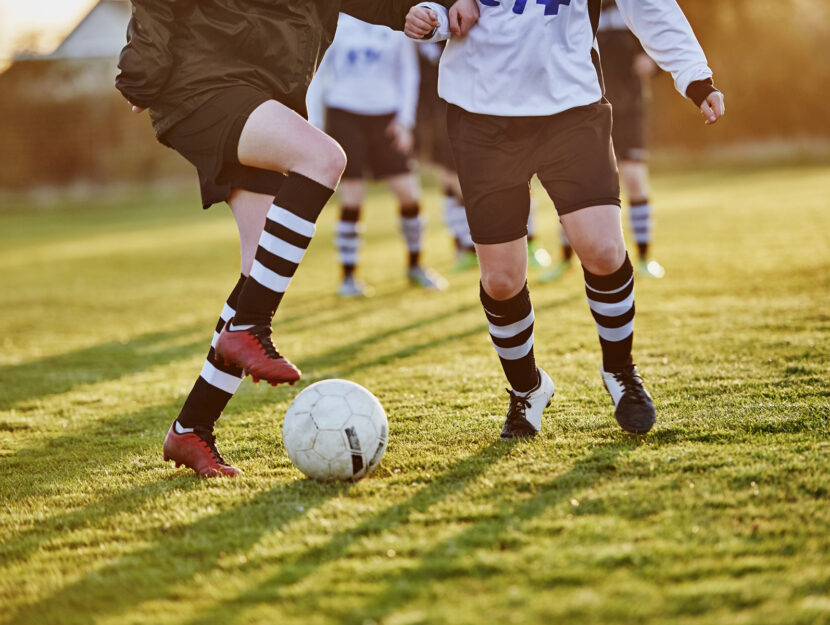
(551, 6)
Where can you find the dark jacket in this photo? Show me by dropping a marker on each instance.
(181, 53)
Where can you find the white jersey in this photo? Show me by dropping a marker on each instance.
(370, 70)
(538, 57)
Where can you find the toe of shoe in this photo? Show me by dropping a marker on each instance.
(636, 419)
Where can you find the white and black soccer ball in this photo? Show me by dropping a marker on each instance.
(335, 430)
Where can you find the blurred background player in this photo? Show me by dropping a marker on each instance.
(626, 68)
(365, 95)
(434, 146)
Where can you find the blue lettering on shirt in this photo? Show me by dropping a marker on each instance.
(551, 6)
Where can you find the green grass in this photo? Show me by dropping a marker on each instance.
(720, 515)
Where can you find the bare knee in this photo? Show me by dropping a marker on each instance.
(604, 257)
(503, 283)
(325, 163)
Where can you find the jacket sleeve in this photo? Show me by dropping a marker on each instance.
(410, 78)
(146, 61)
(391, 13)
(668, 38)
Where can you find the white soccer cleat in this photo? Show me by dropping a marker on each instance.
(524, 415)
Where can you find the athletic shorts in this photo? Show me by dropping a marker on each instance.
(629, 134)
(369, 149)
(496, 157)
(209, 138)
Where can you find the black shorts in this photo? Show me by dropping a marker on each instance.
(496, 157)
(369, 149)
(629, 135)
(209, 138)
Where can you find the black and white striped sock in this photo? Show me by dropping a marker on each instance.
(412, 226)
(217, 382)
(511, 330)
(288, 231)
(347, 239)
(641, 224)
(611, 299)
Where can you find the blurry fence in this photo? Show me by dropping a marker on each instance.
(63, 121)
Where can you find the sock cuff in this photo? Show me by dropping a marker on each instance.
(410, 211)
(612, 281)
(350, 213)
(518, 306)
(303, 196)
(638, 201)
(233, 298)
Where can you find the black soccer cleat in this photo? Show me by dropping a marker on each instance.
(524, 415)
(634, 409)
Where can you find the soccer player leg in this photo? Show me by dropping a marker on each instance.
(455, 217)
(596, 235)
(347, 236)
(537, 256)
(634, 175)
(506, 301)
(407, 191)
(275, 138)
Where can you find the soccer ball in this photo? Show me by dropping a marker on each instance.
(335, 430)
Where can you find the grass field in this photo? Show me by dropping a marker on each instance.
(720, 515)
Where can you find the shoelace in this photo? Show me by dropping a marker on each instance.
(518, 406)
(263, 335)
(632, 385)
(209, 439)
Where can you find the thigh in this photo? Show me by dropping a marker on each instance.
(575, 157)
(350, 131)
(494, 171)
(278, 139)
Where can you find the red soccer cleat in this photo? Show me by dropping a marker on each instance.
(196, 449)
(252, 351)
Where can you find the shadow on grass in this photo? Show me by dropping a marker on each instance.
(178, 554)
(458, 477)
(442, 562)
(102, 363)
(183, 552)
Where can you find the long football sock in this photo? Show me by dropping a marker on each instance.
(641, 224)
(217, 382)
(412, 226)
(511, 330)
(611, 299)
(347, 239)
(288, 231)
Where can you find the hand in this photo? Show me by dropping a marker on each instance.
(463, 15)
(420, 22)
(713, 108)
(644, 66)
(136, 109)
(401, 136)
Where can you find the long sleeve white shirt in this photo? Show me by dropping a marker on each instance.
(369, 70)
(532, 58)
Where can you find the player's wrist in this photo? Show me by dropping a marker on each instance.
(699, 90)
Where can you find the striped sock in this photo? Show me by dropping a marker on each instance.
(288, 231)
(611, 299)
(455, 217)
(412, 226)
(217, 383)
(347, 239)
(511, 330)
(641, 223)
